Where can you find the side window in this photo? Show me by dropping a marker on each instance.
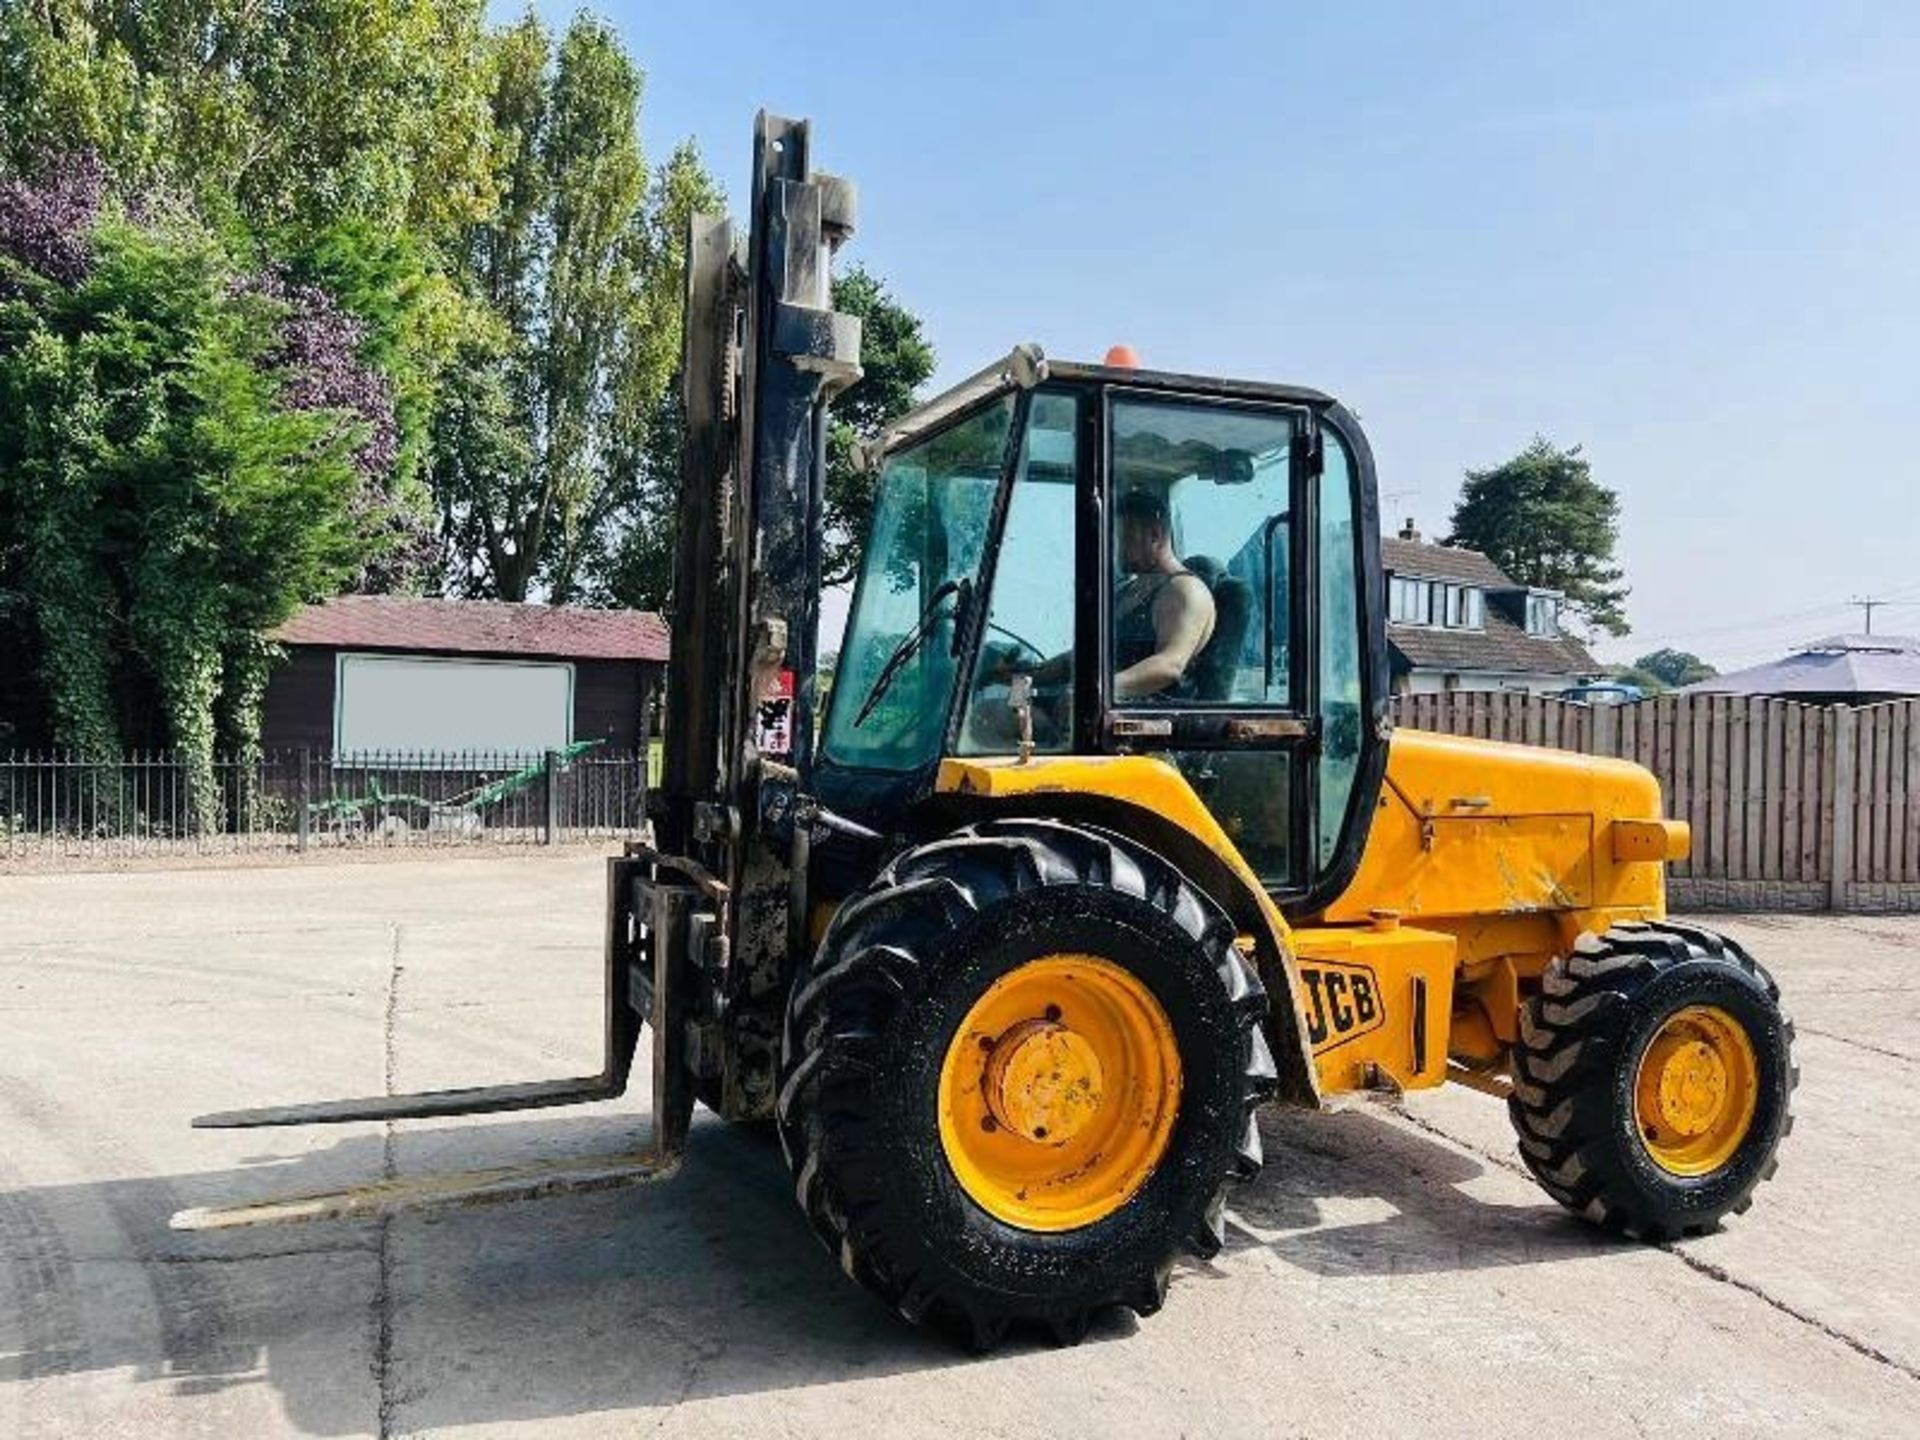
(1201, 529)
(1339, 600)
(1029, 626)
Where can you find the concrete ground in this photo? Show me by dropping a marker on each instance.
(1390, 1273)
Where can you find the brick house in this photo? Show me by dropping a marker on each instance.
(1455, 621)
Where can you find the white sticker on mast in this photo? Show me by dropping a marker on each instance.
(773, 720)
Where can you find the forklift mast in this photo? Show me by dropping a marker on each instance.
(763, 354)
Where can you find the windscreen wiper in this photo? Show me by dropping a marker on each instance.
(910, 646)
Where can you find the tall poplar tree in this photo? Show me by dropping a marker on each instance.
(538, 451)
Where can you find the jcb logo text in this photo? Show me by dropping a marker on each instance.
(1343, 1002)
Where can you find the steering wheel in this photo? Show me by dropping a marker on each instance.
(1020, 640)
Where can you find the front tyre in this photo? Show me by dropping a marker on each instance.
(1017, 1074)
(1653, 1079)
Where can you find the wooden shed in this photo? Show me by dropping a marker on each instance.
(394, 674)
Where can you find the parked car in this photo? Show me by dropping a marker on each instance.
(1604, 692)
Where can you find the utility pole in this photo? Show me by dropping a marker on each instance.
(1869, 604)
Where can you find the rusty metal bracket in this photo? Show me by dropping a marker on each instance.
(1424, 816)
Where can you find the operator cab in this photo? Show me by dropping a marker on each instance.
(1164, 564)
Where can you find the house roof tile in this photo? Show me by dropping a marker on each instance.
(1441, 562)
(478, 627)
(1503, 647)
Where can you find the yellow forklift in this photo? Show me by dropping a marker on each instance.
(1104, 840)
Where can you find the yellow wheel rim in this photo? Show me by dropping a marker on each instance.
(1059, 1092)
(1695, 1091)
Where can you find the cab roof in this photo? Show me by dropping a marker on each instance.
(1027, 366)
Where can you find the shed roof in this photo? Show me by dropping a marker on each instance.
(1837, 665)
(477, 627)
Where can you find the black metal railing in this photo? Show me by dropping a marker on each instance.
(55, 803)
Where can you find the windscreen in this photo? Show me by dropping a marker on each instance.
(894, 679)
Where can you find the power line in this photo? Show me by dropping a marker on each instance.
(1896, 596)
(1740, 627)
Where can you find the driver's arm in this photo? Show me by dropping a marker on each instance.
(1050, 671)
(1182, 621)
(1054, 670)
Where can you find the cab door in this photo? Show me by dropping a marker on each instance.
(1222, 514)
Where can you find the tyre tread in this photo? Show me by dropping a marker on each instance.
(865, 963)
(1569, 1043)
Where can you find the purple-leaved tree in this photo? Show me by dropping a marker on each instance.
(47, 217)
(319, 360)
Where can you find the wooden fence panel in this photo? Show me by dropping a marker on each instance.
(1880, 793)
(1863, 803)
(1782, 790)
(1720, 772)
(1754, 791)
(1769, 789)
(1829, 763)
(1898, 792)
(1693, 749)
(1739, 733)
(1670, 763)
(1819, 786)
(1818, 808)
(1910, 873)
(1793, 790)
(1878, 796)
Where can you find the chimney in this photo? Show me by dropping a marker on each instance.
(1407, 532)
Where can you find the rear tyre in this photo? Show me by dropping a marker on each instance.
(1653, 1079)
(1017, 1075)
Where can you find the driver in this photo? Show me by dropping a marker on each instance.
(1163, 615)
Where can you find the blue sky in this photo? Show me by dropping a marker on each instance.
(1686, 237)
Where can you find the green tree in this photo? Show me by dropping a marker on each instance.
(1674, 668)
(348, 141)
(274, 115)
(626, 557)
(555, 415)
(415, 321)
(1545, 520)
(1649, 683)
(177, 496)
(897, 358)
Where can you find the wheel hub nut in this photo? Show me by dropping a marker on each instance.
(1043, 1082)
(1693, 1087)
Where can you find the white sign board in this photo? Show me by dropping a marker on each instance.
(405, 702)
